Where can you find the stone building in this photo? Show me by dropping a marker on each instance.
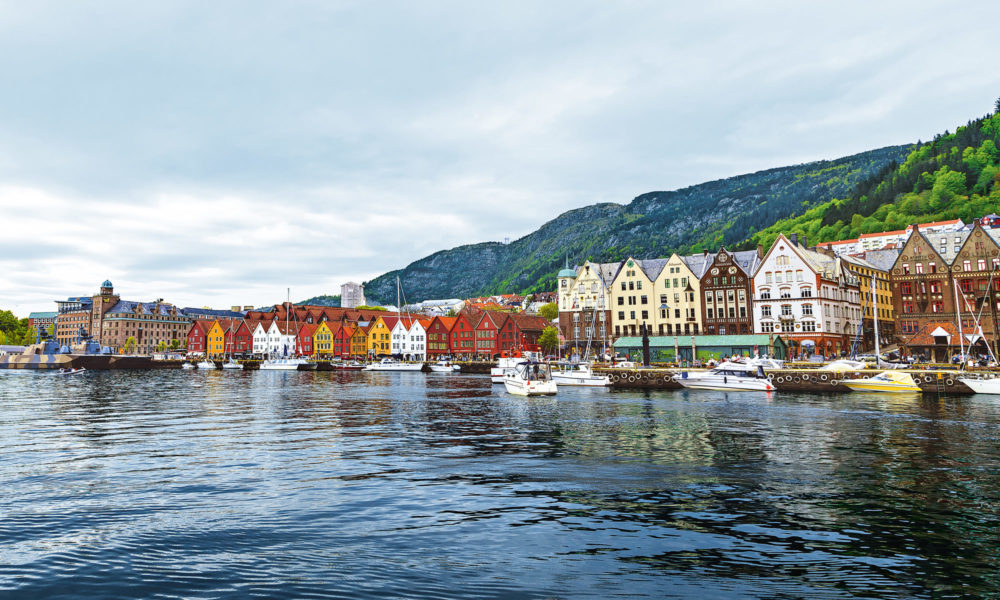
(584, 305)
(352, 295)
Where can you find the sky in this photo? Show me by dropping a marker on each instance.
(218, 153)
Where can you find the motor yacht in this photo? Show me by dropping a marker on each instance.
(581, 374)
(206, 365)
(445, 366)
(530, 379)
(746, 376)
(285, 364)
(981, 385)
(391, 364)
(893, 382)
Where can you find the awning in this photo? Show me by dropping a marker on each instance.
(808, 343)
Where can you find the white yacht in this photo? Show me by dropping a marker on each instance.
(391, 364)
(231, 365)
(505, 363)
(981, 385)
(283, 364)
(445, 366)
(747, 376)
(530, 379)
(579, 374)
(206, 365)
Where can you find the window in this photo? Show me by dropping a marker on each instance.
(982, 264)
(631, 314)
(767, 327)
(807, 309)
(798, 276)
(966, 265)
(787, 327)
(937, 306)
(621, 300)
(785, 293)
(621, 315)
(786, 310)
(767, 277)
(920, 267)
(765, 311)
(906, 288)
(906, 268)
(645, 315)
(807, 292)
(765, 294)
(809, 326)
(624, 286)
(935, 287)
(907, 307)
(643, 300)
(663, 298)
(966, 286)
(638, 285)
(777, 277)
(743, 312)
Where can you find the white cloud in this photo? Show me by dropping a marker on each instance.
(219, 153)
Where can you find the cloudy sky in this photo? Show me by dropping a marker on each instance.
(215, 153)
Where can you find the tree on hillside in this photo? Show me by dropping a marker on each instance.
(549, 340)
(550, 311)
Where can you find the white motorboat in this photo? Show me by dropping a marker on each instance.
(579, 374)
(231, 365)
(187, 365)
(206, 365)
(505, 363)
(893, 382)
(746, 376)
(71, 371)
(347, 366)
(980, 385)
(391, 364)
(283, 364)
(530, 379)
(445, 366)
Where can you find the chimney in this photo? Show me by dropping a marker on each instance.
(795, 239)
(805, 244)
(760, 251)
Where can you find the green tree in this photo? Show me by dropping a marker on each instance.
(130, 345)
(161, 347)
(549, 340)
(550, 311)
(948, 185)
(175, 344)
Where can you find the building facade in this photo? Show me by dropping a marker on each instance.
(352, 295)
(727, 293)
(806, 297)
(584, 304)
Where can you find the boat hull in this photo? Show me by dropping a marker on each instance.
(592, 381)
(856, 385)
(520, 387)
(982, 386)
(730, 384)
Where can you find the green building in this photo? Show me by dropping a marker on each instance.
(666, 348)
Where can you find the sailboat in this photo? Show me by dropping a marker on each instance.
(977, 383)
(581, 373)
(230, 364)
(285, 362)
(391, 364)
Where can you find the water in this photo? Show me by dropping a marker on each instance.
(406, 485)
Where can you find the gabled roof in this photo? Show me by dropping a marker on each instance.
(448, 322)
(925, 336)
(947, 252)
(202, 324)
(530, 322)
(652, 267)
(307, 329)
(699, 263)
(881, 259)
(747, 260)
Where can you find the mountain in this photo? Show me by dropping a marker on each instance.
(324, 300)
(702, 217)
(954, 176)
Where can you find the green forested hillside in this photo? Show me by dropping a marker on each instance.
(954, 176)
(701, 217)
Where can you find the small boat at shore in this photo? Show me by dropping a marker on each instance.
(444, 366)
(285, 364)
(71, 371)
(348, 366)
(231, 365)
(391, 364)
(579, 374)
(980, 385)
(728, 376)
(206, 365)
(891, 382)
(530, 379)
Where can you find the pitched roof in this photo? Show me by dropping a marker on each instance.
(923, 336)
(652, 267)
(448, 322)
(747, 260)
(530, 322)
(699, 263)
(865, 236)
(953, 241)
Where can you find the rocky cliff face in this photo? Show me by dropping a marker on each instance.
(701, 217)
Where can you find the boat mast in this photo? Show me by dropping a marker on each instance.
(958, 318)
(874, 320)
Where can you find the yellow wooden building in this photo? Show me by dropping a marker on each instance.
(323, 340)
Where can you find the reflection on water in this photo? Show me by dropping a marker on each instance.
(289, 484)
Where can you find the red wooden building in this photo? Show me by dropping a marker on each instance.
(462, 340)
(342, 340)
(304, 340)
(197, 336)
(487, 330)
(243, 338)
(438, 334)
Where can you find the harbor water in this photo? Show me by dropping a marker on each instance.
(271, 484)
